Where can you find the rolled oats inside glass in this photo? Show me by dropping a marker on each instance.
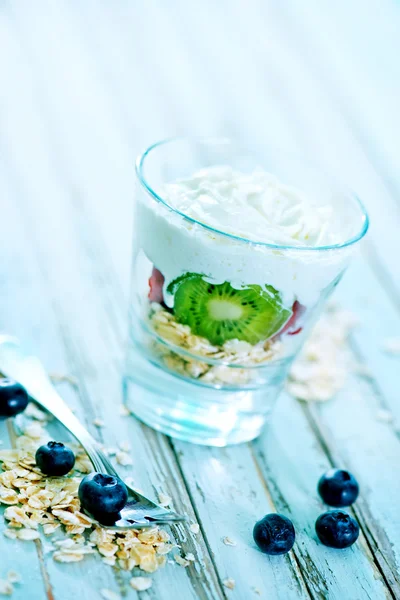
(234, 352)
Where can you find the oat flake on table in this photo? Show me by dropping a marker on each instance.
(140, 584)
(228, 541)
(6, 588)
(194, 528)
(123, 458)
(183, 562)
(36, 502)
(14, 577)
(324, 363)
(124, 411)
(164, 499)
(229, 583)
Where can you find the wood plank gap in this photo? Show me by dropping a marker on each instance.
(159, 445)
(294, 558)
(46, 577)
(175, 455)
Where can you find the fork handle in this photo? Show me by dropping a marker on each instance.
(54, 404)
(42, 391)
(49, 399)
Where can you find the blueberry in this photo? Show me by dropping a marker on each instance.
(337, 529)
(55, 459)
(13, 398)
(103, 496)
(274, 534)
(338, 488)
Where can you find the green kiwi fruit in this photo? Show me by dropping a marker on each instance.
(220, 312)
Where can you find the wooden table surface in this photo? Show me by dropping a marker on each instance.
(85, 85)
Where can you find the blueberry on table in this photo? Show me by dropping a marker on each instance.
(103, 496)
(274, 534)
(55, 459)
(13, 398)
(338, 488)
(337, 529)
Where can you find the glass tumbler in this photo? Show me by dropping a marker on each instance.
(216, 320)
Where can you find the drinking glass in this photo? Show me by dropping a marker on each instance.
(204, 383)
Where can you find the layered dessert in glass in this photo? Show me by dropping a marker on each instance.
(233, 259)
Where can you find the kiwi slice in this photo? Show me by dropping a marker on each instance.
(219, 312)
(173, 286)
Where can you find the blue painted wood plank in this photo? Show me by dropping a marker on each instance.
(194, 72)
(292, 462)
(230, 497)
(363, 292)
(17, 555)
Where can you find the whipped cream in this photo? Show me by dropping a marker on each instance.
(254, 206)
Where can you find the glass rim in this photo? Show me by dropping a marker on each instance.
(140, 164)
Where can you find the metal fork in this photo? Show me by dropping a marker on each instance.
(28, 370)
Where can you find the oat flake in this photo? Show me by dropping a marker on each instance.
(14, 577)
(140, 584)
(194, 528)
(52, 503)
(183, 562)
(6, 588)
(322, 368)
(229, 583)
(27, 535)
(124, 411)
(164, 499)
(123, 459)
(228, 541)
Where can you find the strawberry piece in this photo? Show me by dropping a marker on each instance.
(156, 283)
(291, 327)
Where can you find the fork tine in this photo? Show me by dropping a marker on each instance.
(154, 513)
(139, 522)
(170, 517)
(145, 506)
